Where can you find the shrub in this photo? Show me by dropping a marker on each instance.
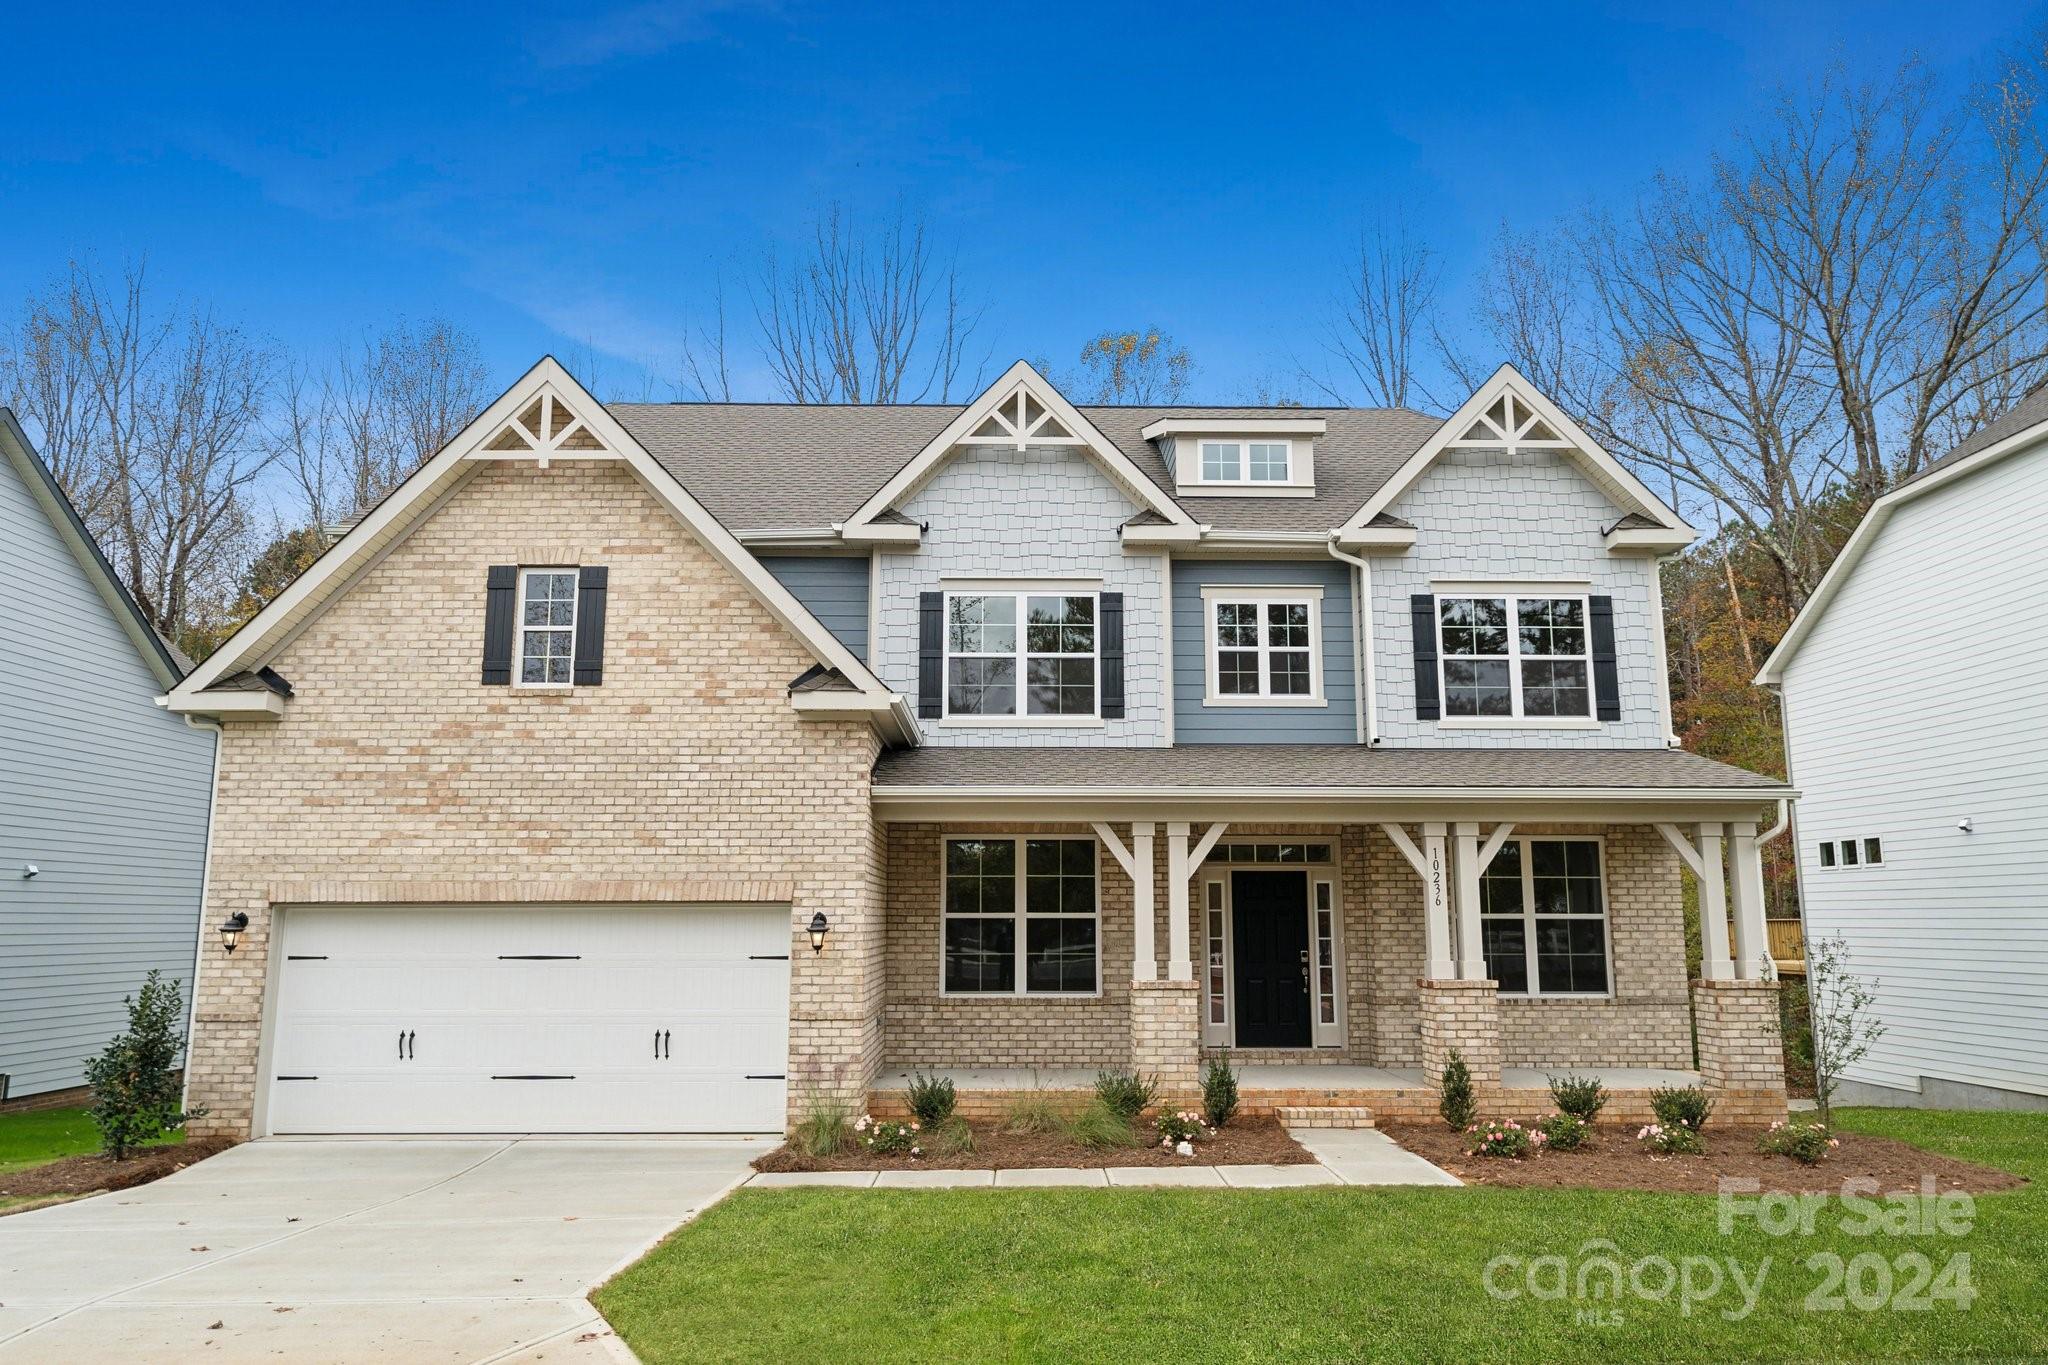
(887, 1137)
(931, 1099)
(1182, 1126)
(1457, 1106)
(1675, 1140)
(822, 1130)
(1219, 1091)
(1100, 1128)
(1580, 1096)
(1032, 1114)
(1809, 1143)
(1682, 1107)
(952, 1138)
(1565, 1132)
(1125, 1093)
(1509, 1140)
(134, 1079)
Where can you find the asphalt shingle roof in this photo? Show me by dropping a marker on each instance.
(2029, 411)
(1311, 766)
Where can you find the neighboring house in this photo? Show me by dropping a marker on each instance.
(103, 793)
(1917, 725)
(664, 767)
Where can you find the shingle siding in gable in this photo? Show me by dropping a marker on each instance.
(1036, 514)
(1482, 516)
(1194, 723)
(104, 791)
(834, 587)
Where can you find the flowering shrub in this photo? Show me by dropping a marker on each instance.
(1564, 1132)
(888, 1137)
(1671, 1140)
(1806, 1142)
(1510, 1139)
(1182, 1126)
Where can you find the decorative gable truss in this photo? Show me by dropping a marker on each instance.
(1509, 414)
(1020, 410)
(544, 417)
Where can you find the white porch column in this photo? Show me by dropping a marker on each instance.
(1471, 952)
(1436, 906)
(1752, 942)
(1179, 964)
(1136, 861)
(1714, 963)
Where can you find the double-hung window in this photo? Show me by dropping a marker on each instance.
(1021, 654)
(1263, 646)
(1515, 657)
(547, 627)
(1543, 918)
(1020, 917)
(1247, 461)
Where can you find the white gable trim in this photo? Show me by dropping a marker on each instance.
(1613, 478)
(1019, 377)
(1773, 671)
(369, 538)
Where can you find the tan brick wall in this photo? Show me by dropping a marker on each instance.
(1460, 1016)
(1741, 1051)
(394, 766)
(1166, 1035)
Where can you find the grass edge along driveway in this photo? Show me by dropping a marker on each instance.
(1094, 1274)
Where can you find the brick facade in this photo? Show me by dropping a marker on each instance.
(1741, 1051)
(1461, 1017)
(393, 768)
(1165, 1035)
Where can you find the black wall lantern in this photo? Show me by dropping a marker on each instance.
(819, 928)
(231, 930)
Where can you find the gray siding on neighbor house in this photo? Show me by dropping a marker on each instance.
(1334, 722)
(834, 587)
(1041, 513)
(1481, 516)
(103, 791)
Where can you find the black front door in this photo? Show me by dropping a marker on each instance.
(1269, 936)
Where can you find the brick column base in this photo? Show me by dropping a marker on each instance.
(1742, 1056)
(1166, 1035)
(1461, 1015)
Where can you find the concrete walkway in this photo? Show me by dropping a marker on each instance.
(457, 1251)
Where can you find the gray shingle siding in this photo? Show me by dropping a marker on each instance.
(1194, 723)
(104, 791)
(834, 587)
(1483, 516)
(1034, 514)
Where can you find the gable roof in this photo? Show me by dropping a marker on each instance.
(2021, 430)
(544, 416)
(162, 658)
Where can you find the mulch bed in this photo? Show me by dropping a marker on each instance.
(1242, 1142)
(91, 1174)
(1615, 1161)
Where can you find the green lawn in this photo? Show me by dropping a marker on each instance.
(1310, 1274)
(47, 1135)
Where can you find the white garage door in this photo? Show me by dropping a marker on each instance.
(658, 1019)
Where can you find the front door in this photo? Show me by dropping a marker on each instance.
(1269, 937)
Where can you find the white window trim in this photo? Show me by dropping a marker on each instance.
(1860, 843)
(1215, 594)
(1191, 474)
(520, 630)
(1216, 880)
(1022, 920)
(1021, 717)
(1517, 721)
(1529, 918)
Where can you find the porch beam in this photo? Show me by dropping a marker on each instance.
(1471, 955)
(1752, 945)
(1137, 864)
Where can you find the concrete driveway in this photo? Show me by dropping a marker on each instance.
(456, 1250)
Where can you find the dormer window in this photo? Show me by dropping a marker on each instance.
(1247, 461)
(1233, 457)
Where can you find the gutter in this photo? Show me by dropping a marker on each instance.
(1363, 707)
(884, 793)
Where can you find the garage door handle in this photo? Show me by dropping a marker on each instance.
(665, 1051)
(405, 1049)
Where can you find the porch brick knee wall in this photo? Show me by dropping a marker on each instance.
(1741, 1051)
(394, 776)
(1166, 1039)
(1461, 1015)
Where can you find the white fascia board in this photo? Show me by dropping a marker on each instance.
(1505, 379)
(1162, 535)
(1631, 806)
(790, 538)
(1376, 538)
(978, 411)
(1235, 426)
(240, 705)
(881, 533)
(891, 712)
(1644, 540)
(884, 792)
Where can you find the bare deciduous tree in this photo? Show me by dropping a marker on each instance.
(706, 373)
(854, 318)
(1144, 366)
(1389, 295)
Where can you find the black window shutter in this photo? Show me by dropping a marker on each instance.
(1606, 674)
(591, 582)
(501, 603)
(931, 653)
(1422, 623)
(1112, 628)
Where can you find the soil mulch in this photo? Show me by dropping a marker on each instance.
(1615, 1161)
(93, 1173)
(1241, 1142)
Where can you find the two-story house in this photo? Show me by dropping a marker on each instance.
(662, 767)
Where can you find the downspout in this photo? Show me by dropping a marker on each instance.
(205, 890)
(1361, 642)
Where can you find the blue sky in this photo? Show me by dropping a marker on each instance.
(574, 178)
